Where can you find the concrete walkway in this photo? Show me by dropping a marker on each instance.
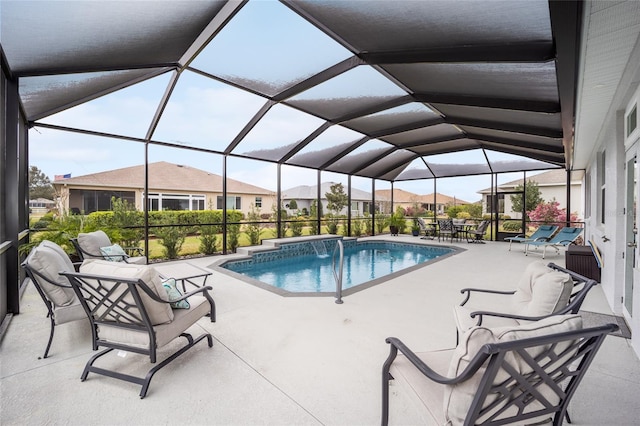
(288, 360)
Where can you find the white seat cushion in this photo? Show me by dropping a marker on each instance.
(183, 319)
(159, 313)
(458, 398)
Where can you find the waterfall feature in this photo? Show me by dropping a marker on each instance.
(320, 248)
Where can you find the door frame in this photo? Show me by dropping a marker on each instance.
(631, 258)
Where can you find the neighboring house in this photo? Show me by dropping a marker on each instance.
(552, 185)
(407, 199)
(305, 195)
(41, 206)
(171, 187)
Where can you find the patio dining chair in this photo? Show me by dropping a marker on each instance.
(543, 233)
(563, 238)
(526, 374)
(446, 229)
(130, 310)
(97, 245)
(543, 291)
(42, 266)
(427, 231)
(477, 235)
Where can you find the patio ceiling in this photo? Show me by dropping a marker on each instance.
(379, 89)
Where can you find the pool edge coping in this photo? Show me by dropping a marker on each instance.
(217, 266)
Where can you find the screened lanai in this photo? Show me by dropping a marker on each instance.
(377, 92)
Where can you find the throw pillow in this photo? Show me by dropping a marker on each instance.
(173, 293)
(113, 253)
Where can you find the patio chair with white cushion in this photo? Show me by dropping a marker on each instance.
(130, 310)
(525, 374)
(42, 266)
(543, 290)
(97, 245)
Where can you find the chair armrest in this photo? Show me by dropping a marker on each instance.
(481, 290)
(397, 344)
(480, 314)
(131, 251)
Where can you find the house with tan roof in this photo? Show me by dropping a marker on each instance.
(407, 199)
(171, 187)
(552, 185)
(305, 195)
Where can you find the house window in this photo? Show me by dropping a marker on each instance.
(587, 194)
(233, 203)
(602, 187)
(632, 120)
(495, 205)
(354, 206)
(258, 202)
(162, 202)
(89, 200)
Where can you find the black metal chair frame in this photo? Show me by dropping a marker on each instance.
(478, 233)
(83, 254)
(446, 228)
(519, 391)
(572, 307)
(34, 276)
(96, 293)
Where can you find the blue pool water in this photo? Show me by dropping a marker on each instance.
(310, 272)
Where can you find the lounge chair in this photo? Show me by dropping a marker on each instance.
(543, 232)
(97, 245)
(43, 265)
(131, 310)
(525, 374)
(563, 238)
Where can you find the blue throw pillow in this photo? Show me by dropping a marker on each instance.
(173, 293)
(113, 253)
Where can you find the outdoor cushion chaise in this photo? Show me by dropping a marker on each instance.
(524, 374)
(130, 310)
(543, 233)
(42, 266)
(563, 238)
(543, 290)
(97, 245)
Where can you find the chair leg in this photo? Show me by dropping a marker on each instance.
(53, 325)
(146, 381)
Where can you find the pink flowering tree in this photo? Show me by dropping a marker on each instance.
(551, 214)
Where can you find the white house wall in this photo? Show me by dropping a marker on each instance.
(610, 237)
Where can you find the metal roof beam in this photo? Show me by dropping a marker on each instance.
(373, 160)
(318, 78)
(351, 148)
(487, 102)
(566, 26)
(407, 127)
(536, 51)
(557, 149)
(305, 142)
(506, 127)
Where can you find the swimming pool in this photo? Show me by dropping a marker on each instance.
(306, 268)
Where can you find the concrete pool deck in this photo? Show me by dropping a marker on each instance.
(289, 360)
